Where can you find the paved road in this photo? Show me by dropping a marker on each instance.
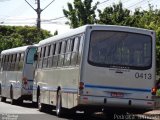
(23, 112)
(28, 112)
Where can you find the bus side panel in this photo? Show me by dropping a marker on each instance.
(4, 87)
(11, 80)
(65, 78)
(0, 75)
(19, 82)
(28, 73)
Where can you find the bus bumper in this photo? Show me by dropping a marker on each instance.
(117, 102)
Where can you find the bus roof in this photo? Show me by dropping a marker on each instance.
(83, 29)
(15, 50)
(67, 34)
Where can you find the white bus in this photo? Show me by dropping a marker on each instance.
(0, 77)
(17, 73)
(95, 67)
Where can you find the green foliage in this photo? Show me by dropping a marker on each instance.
(80, 13)
(12, 36)
(115, 15)
(55, 33)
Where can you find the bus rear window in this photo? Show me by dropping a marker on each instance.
(114, 48)
(30, 55)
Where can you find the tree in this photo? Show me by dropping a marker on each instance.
(80, 13)
(12, 36)
(55, 33)
(150, 19)
(115, 15)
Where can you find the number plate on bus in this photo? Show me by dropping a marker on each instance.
(117, 94)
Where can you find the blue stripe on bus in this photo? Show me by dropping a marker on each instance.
(117, 88)
(65, 90)
(70, 90)
(50, 88)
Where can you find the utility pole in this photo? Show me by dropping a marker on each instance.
(38, 11)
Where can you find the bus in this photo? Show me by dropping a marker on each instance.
(96, 67)
(17, 73)
(0, 77)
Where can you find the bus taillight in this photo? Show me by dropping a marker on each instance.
(81, 85)
(25, 81)
(154, 90)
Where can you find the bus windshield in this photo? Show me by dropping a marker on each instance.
(30, 55)
(115, 48)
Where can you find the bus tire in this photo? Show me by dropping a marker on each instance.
(41, 106)
(37, 97)
(3, 99)
(13, 101)
(20, 102)
(88, 112)
(59, 109)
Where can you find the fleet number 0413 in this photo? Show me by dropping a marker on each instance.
(143, 75)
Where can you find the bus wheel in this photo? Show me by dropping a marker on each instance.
(41, 107)
(59, 109)
(20, 102)
(13, 102)
(3, 99)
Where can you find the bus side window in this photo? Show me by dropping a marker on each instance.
(4, 62)
(15, 57)
(12, 63)
(68, 53)
(48, 55)
(21, 61)
(53, 50)
(80, 49)
(7, 67)
(55, 57)
(43, 57)
(39, 64)
(61, 56)
(17, 60)
(74, 53)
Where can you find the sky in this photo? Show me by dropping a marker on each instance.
(18, 12)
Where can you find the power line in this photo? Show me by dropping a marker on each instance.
(49, 21)
(103, 2)
(4, 0)
(136, 3)
(64, 16)
(38, 11)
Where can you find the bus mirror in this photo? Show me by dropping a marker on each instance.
(35, 57)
